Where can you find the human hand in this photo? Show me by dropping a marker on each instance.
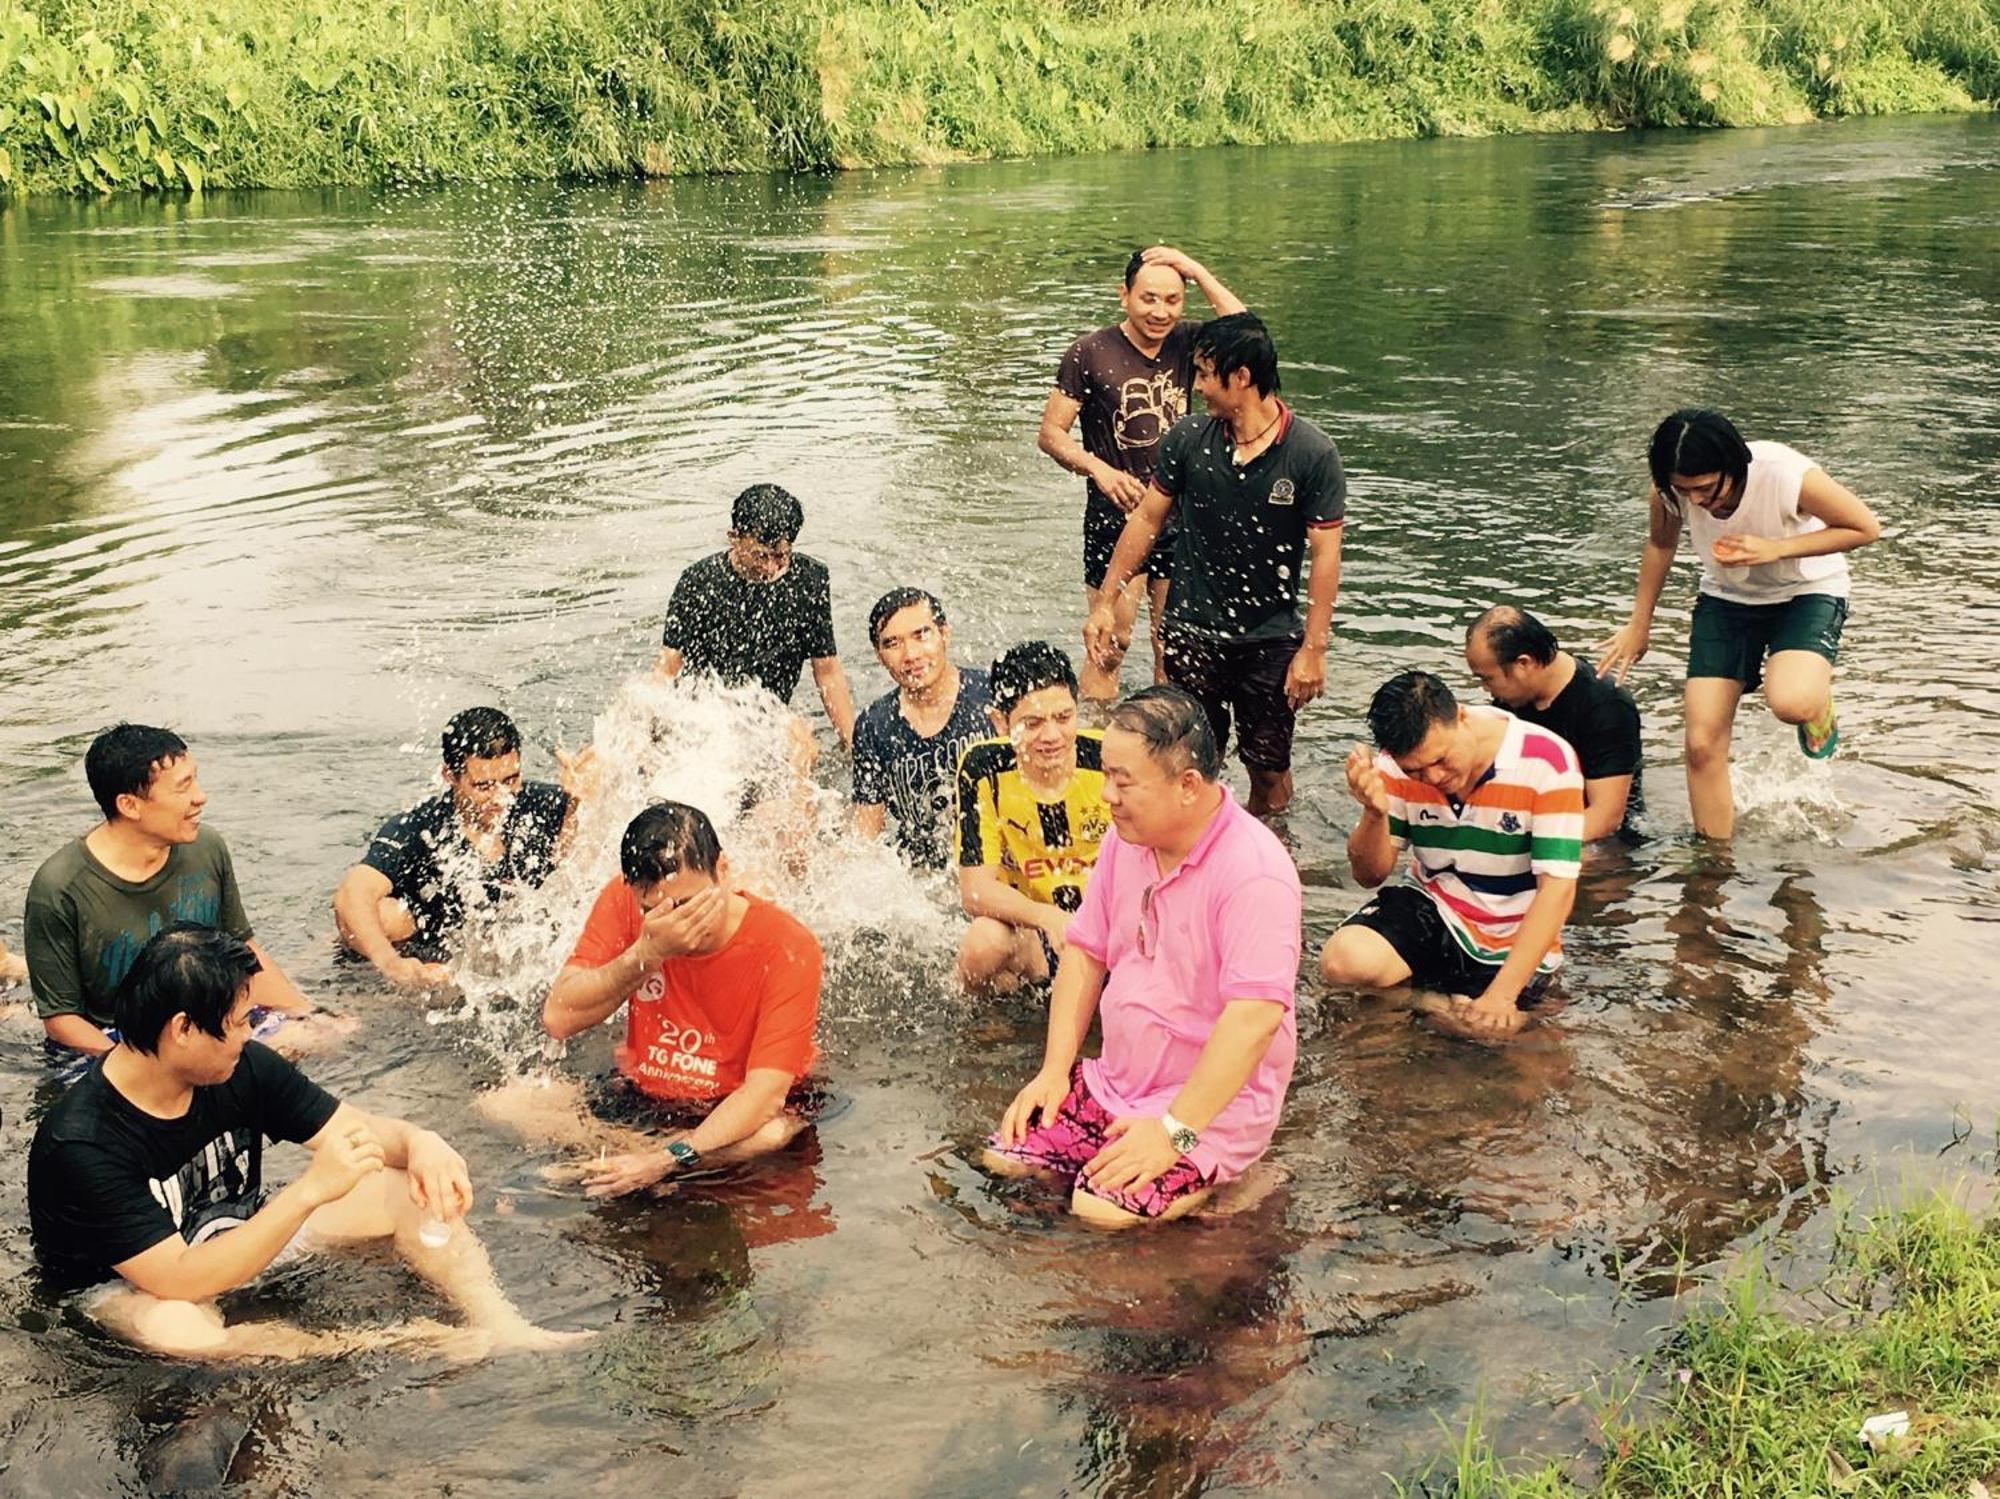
(1364, 781)
(1746, 551)
(1173, 260)
(616, 1175)
(1122, 489)
(1044, 1095)
(1055, 924)
(1139, 1155)
(413, 973)
(342, 1159)
(439, 1181)
(1489, 1015)
(581, 773)
(1622, 650)
(1101, 637)
(671, 930)
(1305, 678)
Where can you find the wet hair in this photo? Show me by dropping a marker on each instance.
(1135, 265)
(894, 602)
(184, 969)
(1175, 726)
(1511, 633)
(1239, 342)
(1697, 441)
(1027, 668)
(767, 513)
(123, 760)
(1406, 708)
(664, 839)
(478, 734)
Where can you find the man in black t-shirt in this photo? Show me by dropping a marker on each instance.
(1516, 658)
(487, 833)
(145, 1180)
(1129, 384)
(758, 611)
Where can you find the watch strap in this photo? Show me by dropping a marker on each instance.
(1182, 1137)
(685, 1155)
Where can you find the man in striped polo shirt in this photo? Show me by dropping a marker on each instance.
(1491, 809)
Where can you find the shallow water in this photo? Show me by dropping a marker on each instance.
(302, 474)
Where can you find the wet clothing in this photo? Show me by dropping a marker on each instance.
(1103, 525)
(1044, 849)
(1412, 923)
(1769, 508)
(1728, 639)
(85, 925)
(1245, 678)
(1601, 723)
(726, 626)
(1082, 1128)
(434, 870)
(1128, 403)
(107, 1181)
(699, 1024)
(913, 777)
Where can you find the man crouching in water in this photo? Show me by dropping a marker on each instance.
(722, 997)
(150, 1171)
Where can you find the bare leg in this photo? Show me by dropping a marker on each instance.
(1101, 1214)
(1158, 587)
(1710, 707)
(551, 1111)
(1797, 684)
(1359, 957)
(994, 957)
(1270, 792)
(1099, 683)
(186, 1329)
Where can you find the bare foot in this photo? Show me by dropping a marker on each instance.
(528, 1338)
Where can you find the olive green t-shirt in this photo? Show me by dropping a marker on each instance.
(85, 925)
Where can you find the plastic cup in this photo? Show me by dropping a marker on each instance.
(434, 1233)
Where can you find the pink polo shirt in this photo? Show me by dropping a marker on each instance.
(1226, 926)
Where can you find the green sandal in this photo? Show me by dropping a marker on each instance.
(1820, 737)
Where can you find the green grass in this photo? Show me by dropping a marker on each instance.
(1774, 1394)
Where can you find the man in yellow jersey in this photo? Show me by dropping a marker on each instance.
(1031, 814)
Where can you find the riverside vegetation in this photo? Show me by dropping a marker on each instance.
(173, 95)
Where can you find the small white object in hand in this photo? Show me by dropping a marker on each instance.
(434, 1232)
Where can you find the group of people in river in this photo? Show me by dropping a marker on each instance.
(1100, 856)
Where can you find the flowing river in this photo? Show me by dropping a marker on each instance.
(302, 474)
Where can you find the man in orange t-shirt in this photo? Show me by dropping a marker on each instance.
(722, 992)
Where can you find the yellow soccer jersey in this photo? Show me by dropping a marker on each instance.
(1045, 850)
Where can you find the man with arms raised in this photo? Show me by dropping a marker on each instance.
(1031, 814)
(1187, 948)
(148, 1174)
(94, 902)
(906, 746)
(1516, 659)
(1255, 489)
(1491, 809)
(1130, 384)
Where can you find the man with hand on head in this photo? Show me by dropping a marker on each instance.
(1186, 947)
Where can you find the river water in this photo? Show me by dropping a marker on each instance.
(301, 474)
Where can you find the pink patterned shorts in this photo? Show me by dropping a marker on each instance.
(1079, 1131)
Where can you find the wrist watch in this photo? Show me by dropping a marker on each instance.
(1179, 1135)
(686, 1157)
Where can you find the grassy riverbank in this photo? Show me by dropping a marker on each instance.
(1767, 1399)
(175, 94)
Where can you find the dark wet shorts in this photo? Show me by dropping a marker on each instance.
(615, 1099)
(1103, 524)
(1080, 1129)
(1731, 640)
(1409, 921)
(1245, 678)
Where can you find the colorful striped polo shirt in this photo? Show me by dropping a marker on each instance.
(1479, 859)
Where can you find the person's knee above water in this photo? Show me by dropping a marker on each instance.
(488, 833)
(151, 861)
(1517, 660)
(149, 1171)
(758, 611)
(721, 992)
(1129, 383)
(1186, 947)
(1769, 527)
(1031, 815)
(1257, 493)
(1491, 810)
(907, 745)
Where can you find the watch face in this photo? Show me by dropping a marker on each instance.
(1184, 1140)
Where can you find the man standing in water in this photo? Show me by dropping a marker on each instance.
(1769, 527)
(488, 832)
(149, 1172)
(1189, 936)
(1130, 384)
(906, 746)
(757, 611)
(1491, 810)
(1255, 489)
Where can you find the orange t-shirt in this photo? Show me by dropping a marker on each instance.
(698, 1024)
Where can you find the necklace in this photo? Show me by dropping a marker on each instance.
(1238, 447)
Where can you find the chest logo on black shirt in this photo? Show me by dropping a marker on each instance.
(1284, 492)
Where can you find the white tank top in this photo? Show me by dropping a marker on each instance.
(1770, 508)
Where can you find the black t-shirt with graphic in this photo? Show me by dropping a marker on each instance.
(1601, 723)
(434, 871)
(107, 1181)
(914, 777)
(1129, 402)
(726, 626)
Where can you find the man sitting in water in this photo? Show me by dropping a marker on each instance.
(1031, 814)
(757, 611)
(907, 745)
(721, 997)
(1189, 935)
(149, 1172)
(1491, 809)
(95, 901)
(488, 832)
(1516, 659)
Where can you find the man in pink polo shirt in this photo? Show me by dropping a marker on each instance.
(1189, 936)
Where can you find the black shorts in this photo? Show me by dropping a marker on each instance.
(1103, 524)
(1409, 921)
(1248, 678)
(614, 1098)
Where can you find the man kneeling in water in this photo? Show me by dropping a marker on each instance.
(150, 1170)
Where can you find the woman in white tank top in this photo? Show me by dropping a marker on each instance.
(1770, 528)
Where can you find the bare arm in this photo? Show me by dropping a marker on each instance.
(270, 987)
(1221, 298)
(1604, 806)
(1305, 678)
(1846, 523)
(755, 1103)
(1371, 851)
(831, 680)
(668, 663)
(1142, 529)
(1236, 1046)
(1072, 1001)
(77, 1033)
(981, 892)
(1541, 925)
(1058, 417)
(1663, 534)
(870, 818)
(583, 997)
